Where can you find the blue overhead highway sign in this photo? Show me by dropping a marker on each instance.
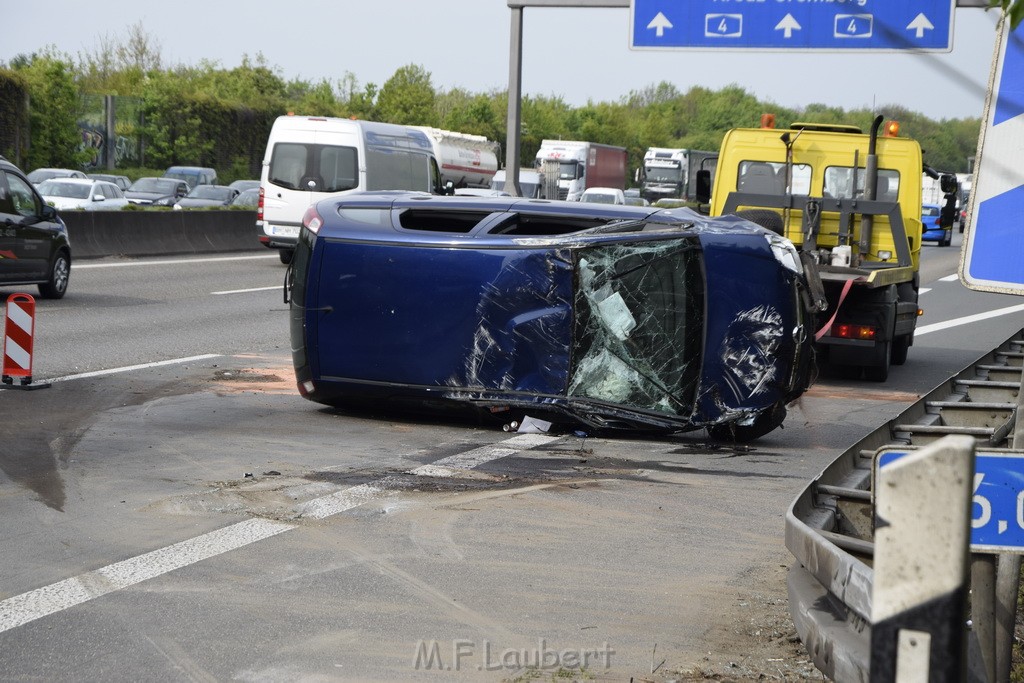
(993, 251)
(825, 25)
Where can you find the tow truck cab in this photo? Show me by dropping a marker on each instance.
(851, 202)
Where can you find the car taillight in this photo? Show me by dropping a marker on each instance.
(854, 331)
(312, 220)
(259, 206)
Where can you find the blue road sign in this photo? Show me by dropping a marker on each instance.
(997, 510)
(993, 251)
(867, 25)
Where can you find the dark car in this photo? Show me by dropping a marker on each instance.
(193, 175)
(931, 216)
(34, 245)
(247, 199)
(243, 185)
(207, 196)
(611, 317)
(158, 191)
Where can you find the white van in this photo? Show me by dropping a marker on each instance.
(309, 158)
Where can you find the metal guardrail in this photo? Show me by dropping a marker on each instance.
(829, 527)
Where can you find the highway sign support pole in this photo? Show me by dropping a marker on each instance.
(515, 98)
(983, 609)
(919, 591)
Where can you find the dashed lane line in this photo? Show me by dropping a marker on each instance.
(56, 597)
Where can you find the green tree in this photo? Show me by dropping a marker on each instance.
(408, 97)
(1015, 9)
(54, 112)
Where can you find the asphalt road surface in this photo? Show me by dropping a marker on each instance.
(173, 510)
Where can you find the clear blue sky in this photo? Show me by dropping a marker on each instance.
(578, 54)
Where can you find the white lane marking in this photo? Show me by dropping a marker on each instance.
(925, 290)
(170, 262)
(130, 368)
(63, 595)
(36, 604)
(966, 320)
(246, 291)
(950, 278)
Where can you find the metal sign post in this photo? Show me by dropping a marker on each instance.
(919, 592)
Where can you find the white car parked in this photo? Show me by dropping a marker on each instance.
(603, 195)
(82, 193)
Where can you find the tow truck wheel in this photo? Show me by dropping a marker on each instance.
(900, 347)
(880, 372)
(766, 218)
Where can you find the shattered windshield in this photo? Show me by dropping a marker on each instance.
(639, 325)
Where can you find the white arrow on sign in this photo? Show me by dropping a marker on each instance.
(787, 26)
(920, 24)
(659, 23)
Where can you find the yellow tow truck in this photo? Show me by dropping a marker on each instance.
(851, 203)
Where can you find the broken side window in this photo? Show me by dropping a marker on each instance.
(639, 325)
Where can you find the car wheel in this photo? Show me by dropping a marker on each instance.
(285, 255)
(60, 273)
(763, 423)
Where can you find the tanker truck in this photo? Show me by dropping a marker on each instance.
(581, 165)
(465, 160)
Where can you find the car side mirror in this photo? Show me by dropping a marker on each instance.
(98, 198)
(947, 183)
(703, 186)
(48, 213)
(449, 188)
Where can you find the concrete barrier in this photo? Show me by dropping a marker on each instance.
(95, 234)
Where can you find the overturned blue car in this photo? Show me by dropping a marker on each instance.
(607, 317)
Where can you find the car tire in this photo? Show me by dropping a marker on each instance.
(285, 255)
(60, 273)
(764, 423)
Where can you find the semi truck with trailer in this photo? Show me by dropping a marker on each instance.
(851, 202)
(465, 160)
(671, 173)
(580, 165)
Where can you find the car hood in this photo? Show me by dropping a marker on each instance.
(64, 203)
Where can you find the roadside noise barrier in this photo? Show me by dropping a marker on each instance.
(19, 330)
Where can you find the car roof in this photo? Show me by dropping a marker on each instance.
(78, 181)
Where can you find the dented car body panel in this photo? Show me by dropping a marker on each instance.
(610, 317)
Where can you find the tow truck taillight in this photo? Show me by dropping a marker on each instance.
(854, 331)
(312, 220)
(259, 206)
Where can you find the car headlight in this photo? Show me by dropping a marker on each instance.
(785, 253)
